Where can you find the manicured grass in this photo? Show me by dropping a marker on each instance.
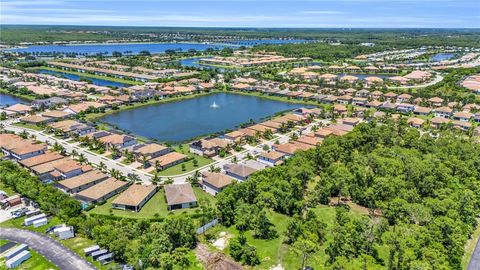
(470, 246)
(29, 126)
(177, 169)
(89, 75)
(156, 205)
(36, 262)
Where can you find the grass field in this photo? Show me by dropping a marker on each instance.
(77, 244)
(273, 252)
(36, 262)
(155, 207)
(26, 125)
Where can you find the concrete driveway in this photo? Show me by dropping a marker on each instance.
(51, 249)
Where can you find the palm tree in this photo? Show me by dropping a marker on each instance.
(58, 147)
(157, 165)
(81, 158)
(155, 179)
(102, 167)
(74, 153)
(114, 173)
(144, 161)
(133, 178)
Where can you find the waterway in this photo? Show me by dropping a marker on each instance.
(8, 100)
(74, 77)
(184, 120)
(127, 48)
(135, 48)
(441, 57)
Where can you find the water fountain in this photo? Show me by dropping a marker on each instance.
(214, 105)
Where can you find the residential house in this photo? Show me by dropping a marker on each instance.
(81, 182)
(168, 160)
(180, 196)
(462, 116)
(134, 198)
(271, 158)
(213, 183)
(444, 112)
(238, 171)
(101, 191)
(117, 141)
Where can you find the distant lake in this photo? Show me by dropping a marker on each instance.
(8, 100)
(95, 81)
(183, 120)
(253, 42)
(135, 48)
(441, 57)
(130, 48)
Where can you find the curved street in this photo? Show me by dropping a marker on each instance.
(51, 249)
(475, 259)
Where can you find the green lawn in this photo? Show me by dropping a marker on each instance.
(18, 223)
(36, 262)
(30, 126)
(156, 205)
(177, 169)
(273, 252)
(77, 244)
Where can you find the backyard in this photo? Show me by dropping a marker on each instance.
(155, 207)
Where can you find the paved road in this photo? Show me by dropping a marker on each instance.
(437, 79)
(475, 259)
(144, 176)
(51, 249)
(90, 156)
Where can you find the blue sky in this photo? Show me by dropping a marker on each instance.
(246, 13)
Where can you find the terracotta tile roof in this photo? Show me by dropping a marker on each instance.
(40, 159)
(179, 193)
(150, 148)
(19, 108)
(239, 169)
(273, 155)
(83, 179)
(168, 159)
(101, 189)
(218, 180)
(134, 195)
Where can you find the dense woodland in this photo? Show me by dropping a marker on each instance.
(425, 191)
(423, 194)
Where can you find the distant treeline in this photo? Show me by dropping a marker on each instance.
(388, 37)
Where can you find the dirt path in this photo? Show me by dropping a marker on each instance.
(215, 260)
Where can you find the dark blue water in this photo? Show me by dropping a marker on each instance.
(95, 81)
(132, 48)
(267, 41)
(184, 120)
(8, 100)
(441, 57)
